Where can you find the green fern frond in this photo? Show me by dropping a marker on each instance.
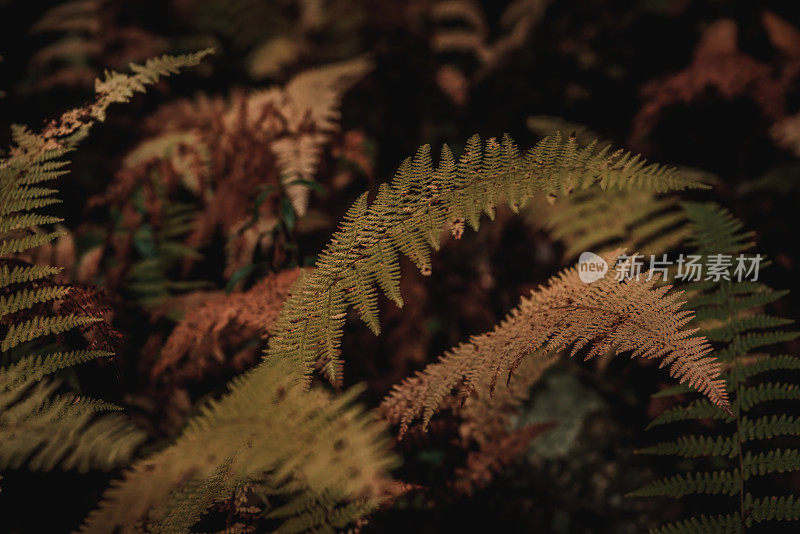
(738, 325)
(26, 220)
(743, 295)
(767, 364)
(786, 508)
(326, 446)
(409, 214)
(35, 367)
(43, 431)
(703, 524)
(767, 392)
(42, 326)
(27, 273)
(699, 409)
(713, 483)
(599, 221)
(768, 427)
(694, 446)
(26, 298)
(715, 230)
(27, 204)
(15, 246)
(775, 461)
(730, 314)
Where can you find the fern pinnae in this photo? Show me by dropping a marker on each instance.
(729, 313)
(25, 273)
(408, 215)
(34, 367)
(27, 298)
(42, 326)
(41, 428)
(327, 445)
(568, 314)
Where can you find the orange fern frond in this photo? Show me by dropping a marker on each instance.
(631, 316)
(220, 321)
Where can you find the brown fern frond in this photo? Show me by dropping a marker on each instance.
(220, 321)
(226, 151)
(632, 316)
(88, 301)
(309, 105)
(719, 64)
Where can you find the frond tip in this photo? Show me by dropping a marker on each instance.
(633, 316)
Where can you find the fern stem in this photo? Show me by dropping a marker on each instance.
(737, 369)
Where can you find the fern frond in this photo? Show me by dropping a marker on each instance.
(730, 315)
(568, 314)
(715, 230)
(694, 446)
(600, 221)
(27, 273)
(744, 344)
(409, 214)
(43, 431)
(314, 95)
(187, 505)
(42, 326)
(27, 298)
(35, 367)
(326, 445)
(116, 87)
(736, 326)
(775, 461)
(703, 524)
(768, 427)
(15, 246)
(603, 220)
(310, 512)
(26, 220)
(713, 483)
(783, 362)
(785, 508)
(766, 392)
(699, 409)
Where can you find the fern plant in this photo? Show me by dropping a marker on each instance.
(162, 249)
(593, 219)
(40, 427)
(608, 315)
(408, 216)
(325, 459)
(744, 445)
